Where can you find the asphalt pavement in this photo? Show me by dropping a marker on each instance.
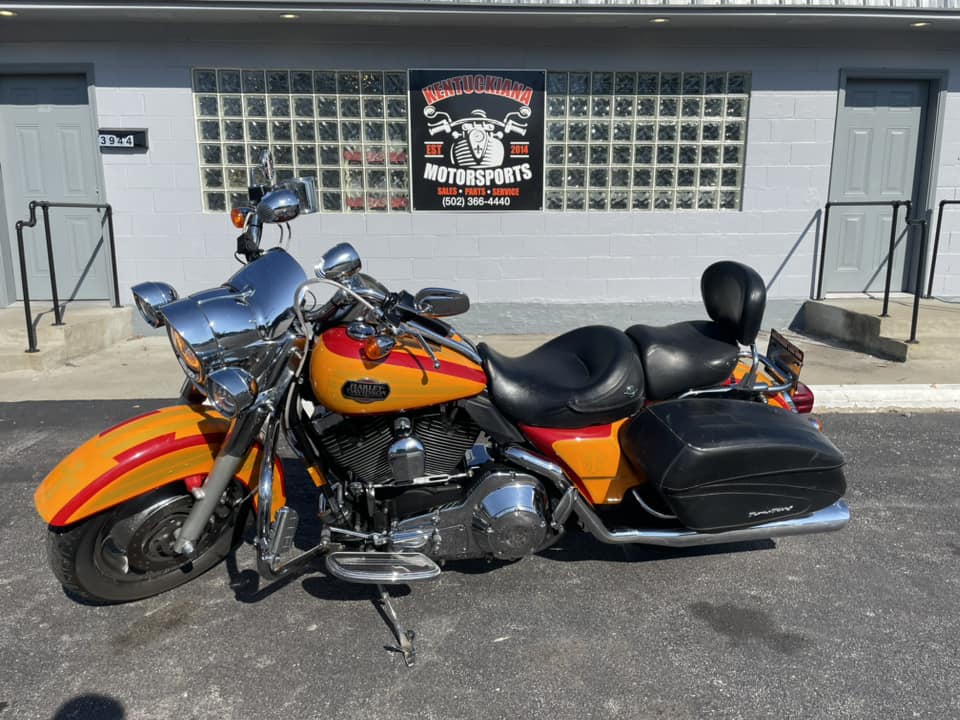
(862, 623)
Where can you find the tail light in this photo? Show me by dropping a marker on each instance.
(802, 398)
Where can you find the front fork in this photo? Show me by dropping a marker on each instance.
(240, 438)
(274, 536)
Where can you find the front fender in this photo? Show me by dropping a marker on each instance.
(139, 455)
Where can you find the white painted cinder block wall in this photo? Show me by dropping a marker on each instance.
(623, 258)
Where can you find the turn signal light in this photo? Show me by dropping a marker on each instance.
(803, 398)
(238, 216)
(378, 347)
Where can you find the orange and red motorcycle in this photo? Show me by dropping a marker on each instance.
(424, 447)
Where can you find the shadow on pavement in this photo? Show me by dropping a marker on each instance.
(91, 707)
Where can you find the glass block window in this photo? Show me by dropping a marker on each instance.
(346, 128)
(645, 140)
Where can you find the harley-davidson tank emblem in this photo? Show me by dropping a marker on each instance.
(365, 391)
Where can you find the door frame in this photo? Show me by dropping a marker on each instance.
(925, 181)
(9, 262)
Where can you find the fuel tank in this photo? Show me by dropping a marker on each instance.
(346, 382)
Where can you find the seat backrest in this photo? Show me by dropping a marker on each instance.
(735, 297)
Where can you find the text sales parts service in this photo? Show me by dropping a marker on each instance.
(476, 139)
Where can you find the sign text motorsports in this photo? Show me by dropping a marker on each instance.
(476, 139)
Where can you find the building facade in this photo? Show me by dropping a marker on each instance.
(657, 139)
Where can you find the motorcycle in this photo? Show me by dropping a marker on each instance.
(424, 447)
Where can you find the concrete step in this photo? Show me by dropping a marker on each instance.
(87, 328)
(856, 323)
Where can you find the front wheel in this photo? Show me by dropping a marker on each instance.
(126, 553)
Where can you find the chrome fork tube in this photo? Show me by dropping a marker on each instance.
(240, 438)
(265, 484)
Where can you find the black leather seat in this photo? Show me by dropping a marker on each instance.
(687, 355)
(588, 376)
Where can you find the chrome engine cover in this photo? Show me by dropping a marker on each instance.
(504, 516)
(511, 521)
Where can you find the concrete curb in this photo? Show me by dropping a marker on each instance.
(884, 398)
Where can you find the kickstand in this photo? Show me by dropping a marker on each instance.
(404, 637)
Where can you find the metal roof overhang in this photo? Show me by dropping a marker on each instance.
(488, 14)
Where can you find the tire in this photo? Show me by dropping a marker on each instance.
(125, 553)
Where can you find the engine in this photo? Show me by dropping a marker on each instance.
(504, 515)
(432, 501)
(380, 449)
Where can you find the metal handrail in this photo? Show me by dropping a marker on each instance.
(921, 263)
(895, 204)
(918, 283)
(31, 222)
(936, 244)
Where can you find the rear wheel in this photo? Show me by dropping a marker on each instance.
(126, 553)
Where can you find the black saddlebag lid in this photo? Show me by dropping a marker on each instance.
(722, 464)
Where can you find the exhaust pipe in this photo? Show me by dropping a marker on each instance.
(828, 519)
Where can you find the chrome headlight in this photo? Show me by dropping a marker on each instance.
(211, 330)
(150, 297)
(238, 324)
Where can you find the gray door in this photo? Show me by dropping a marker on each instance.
(876, 156)
(48, 151)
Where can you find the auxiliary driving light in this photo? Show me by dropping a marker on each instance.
(231, 391)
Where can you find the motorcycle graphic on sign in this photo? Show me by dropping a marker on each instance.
(481, 136)
(478, 140)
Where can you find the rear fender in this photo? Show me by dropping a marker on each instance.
(139, 455)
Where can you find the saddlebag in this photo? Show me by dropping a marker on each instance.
(728, 464)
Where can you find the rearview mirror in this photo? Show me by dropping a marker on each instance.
(268, 168)
(442, 302)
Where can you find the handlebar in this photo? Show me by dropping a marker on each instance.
(394, 314)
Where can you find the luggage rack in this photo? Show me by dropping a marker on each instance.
(748, 382)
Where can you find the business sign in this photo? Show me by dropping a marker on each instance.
(476, 139)
(122, 139)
